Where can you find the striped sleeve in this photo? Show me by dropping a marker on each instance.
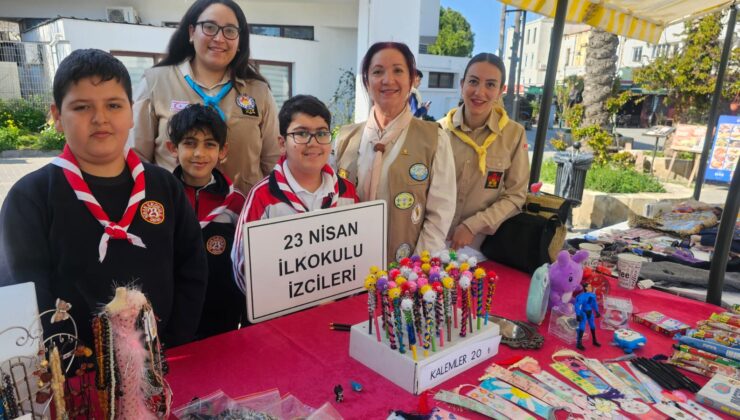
(252, 210)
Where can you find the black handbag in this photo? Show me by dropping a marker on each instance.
(532, 237)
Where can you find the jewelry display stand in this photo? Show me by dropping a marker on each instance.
(453, 358)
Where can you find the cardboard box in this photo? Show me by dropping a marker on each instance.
(661, 323)
(417, 376)
(722, 393)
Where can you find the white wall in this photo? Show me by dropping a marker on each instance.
(297, 12)
(316, 64)
(442, 99)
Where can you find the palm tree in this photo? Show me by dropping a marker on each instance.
(601, 67)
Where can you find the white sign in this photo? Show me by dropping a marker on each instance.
(457, 361)
(299, 261)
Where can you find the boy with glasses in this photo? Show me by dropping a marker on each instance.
(302, 180)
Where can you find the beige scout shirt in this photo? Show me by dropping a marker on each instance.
(485, 200)
(440, 197)
(253, 145)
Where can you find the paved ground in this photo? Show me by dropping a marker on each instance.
(12, 169)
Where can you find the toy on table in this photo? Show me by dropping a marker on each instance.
(629, 340)
(586, 307)
(338, 393)
(616, 314)
(565, 276)
(539, 293)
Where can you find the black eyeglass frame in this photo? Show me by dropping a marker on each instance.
(220, 29)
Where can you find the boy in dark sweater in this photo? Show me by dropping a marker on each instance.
(198, 141)
(97, 217)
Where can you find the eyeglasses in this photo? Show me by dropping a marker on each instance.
(230, 32)
(304, 137)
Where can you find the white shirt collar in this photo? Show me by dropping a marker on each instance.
(312, 200)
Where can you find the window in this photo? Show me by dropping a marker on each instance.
(534, 35)
(441, 80)
(528, 31)
(280, 77)
(526, 59)
(137, 62)
(637, 54)
(567, 57)
(283, 31)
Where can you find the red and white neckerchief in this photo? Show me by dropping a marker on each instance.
(222, 208)
(115, 230)
(291, 196)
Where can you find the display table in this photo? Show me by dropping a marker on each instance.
(299, 354)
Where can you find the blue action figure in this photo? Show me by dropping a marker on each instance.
(585, 306)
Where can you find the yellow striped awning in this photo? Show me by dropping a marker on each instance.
(639, 19)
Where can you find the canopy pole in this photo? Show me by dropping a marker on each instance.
(713, 111)
(518, 83)
(724, 241)
(556, 38)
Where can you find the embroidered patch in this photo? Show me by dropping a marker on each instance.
(403, 251)
(248, 105)
(177, 106)
(216, 245)
(525, 146)
(404, 201)
(493, 179)
(416, 214)
(419, 172)
(152, 211)
(342, 173)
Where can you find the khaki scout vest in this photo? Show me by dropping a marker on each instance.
(409, 177)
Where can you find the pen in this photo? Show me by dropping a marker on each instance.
(339, 327)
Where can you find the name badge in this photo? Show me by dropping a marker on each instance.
(177, 106)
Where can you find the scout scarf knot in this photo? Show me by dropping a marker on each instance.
(222, 208)
(380, 138)
(209, 100)
(114, 230)
(290, 197)
(481, 150)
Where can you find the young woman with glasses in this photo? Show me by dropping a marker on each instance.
(208, 62)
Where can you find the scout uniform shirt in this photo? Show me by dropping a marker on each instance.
(417, 182)
(485, 200)
(251, 117)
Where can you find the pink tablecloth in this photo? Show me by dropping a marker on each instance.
(298, 354)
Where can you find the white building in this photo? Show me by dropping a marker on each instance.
(536, 38)
(632, 53)
(301, 46)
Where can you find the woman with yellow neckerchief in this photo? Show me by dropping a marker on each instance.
(490, 151)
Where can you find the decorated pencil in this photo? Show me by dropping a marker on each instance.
(480, 275)
(370, 281)
(492, 278)
(394, 295)
(407, 306)
(448, 284)
(429, 298)
(465, 289)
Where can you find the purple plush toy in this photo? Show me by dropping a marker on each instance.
(565, 277)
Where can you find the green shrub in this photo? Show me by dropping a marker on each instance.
(623, 159)
(50, 139)
(608, 179)
(9, 137)
(27, 114)
(620, 180)
(27, 141)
